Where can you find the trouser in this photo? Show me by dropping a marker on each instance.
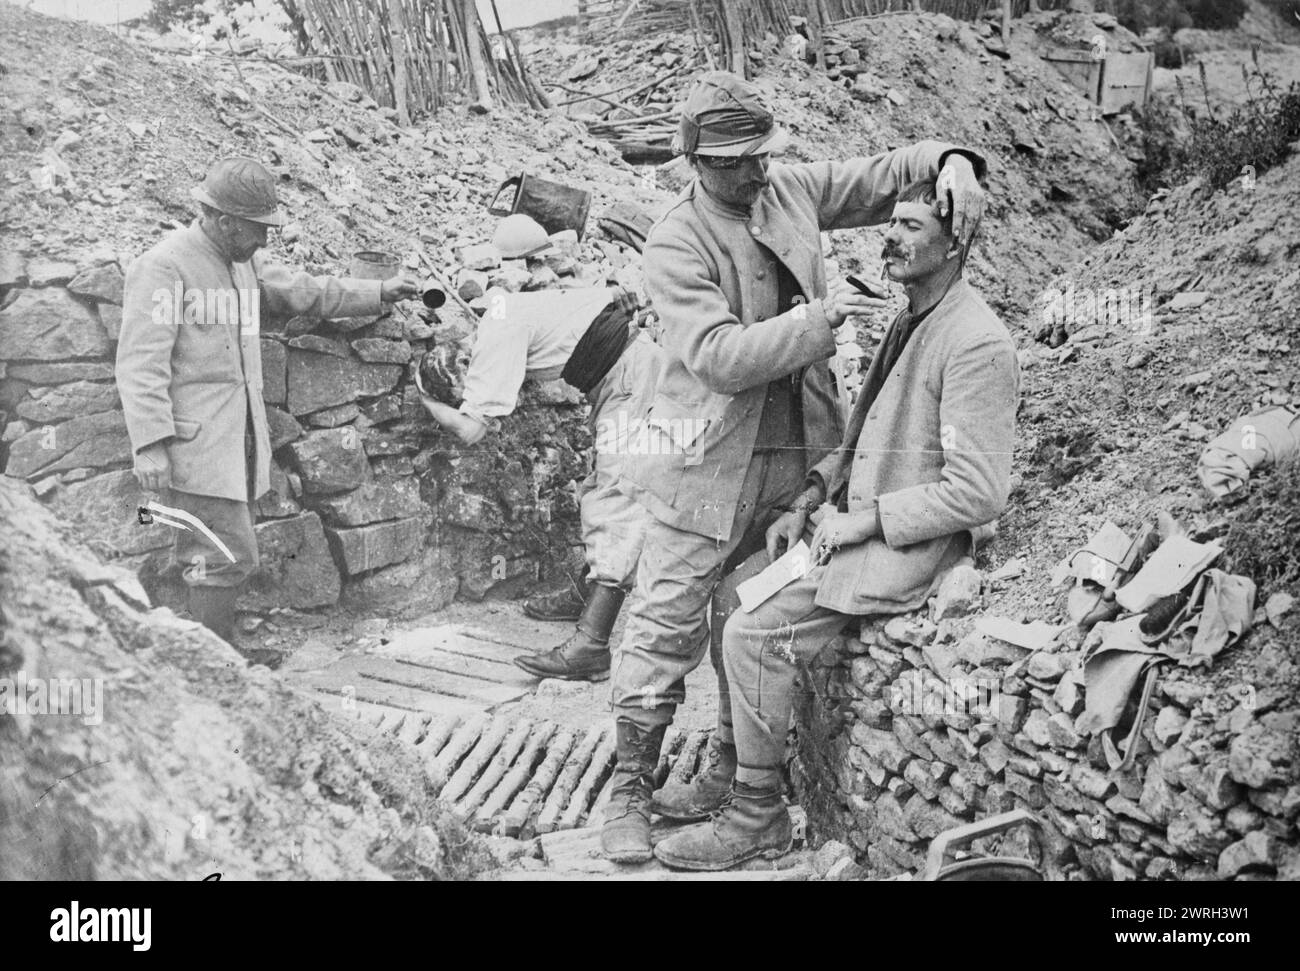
(668, 623)
(760, 651)
(614, 525)
(201, 562)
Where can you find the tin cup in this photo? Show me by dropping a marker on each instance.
(432, 293)
(372, 265)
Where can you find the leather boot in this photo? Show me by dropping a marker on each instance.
(753, 822)
(214, 608)
(562, 605)
(585, 655)
(625, 837)
(695, 800)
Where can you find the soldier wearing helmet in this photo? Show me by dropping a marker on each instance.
(189, 371)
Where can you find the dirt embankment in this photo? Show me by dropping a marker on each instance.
(142, 747)
(1057, 184)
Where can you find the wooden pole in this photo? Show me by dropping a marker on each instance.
(816, 32)
(474, 52)
(397, 48)
(735, 30)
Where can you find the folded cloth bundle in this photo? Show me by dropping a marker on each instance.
(1251, 441)
(625, 222)
(1220, 609)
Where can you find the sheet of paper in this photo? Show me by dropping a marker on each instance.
(1034, 636)
(1166, 571)
(783, 572)
(1098, 559)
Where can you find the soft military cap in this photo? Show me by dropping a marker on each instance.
(725, 115)
(241, 187)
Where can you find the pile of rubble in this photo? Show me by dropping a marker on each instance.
(136, 746)
(923, 723)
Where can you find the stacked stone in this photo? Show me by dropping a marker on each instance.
(369, 500)
(909, 729)
(57, 329)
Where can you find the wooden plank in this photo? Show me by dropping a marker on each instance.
(460, 743)
(689, 756)
(383, 693)
(495, 771)
(515, 779)
(464, 665)
(597, 814)
(331, 701)
(452, 640)
(1125, 81)
(369, 670)
(672, 745)
(1081, 69)
(436, 734)
(478, 757)
(577, 853)
(549, 817)
(543, 633)
(413, 727)
(516, 822)
(586, 790)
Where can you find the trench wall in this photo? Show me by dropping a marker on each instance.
(909, 728)
(371, 504)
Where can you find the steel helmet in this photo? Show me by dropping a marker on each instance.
(518, 236)
(241, 187)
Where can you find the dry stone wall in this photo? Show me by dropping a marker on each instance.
(906, 729)
(370, 502)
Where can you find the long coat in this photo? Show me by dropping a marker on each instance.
(190, 370)
(711, 273)
(934, 450)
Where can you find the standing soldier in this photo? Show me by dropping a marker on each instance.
(924, 471)
(745, 405)
(189, 370)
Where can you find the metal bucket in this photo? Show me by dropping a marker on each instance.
(372, 265)
(556, 207)
(999, 868)
(994, 868)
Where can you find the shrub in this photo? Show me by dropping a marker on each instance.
(265, 20)
(1218, 148)
(1216, 14)
(1257, 134)
(1261, 541)
(1162, 134)
(1138, 15)
(1288, 9)
(164, 14)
